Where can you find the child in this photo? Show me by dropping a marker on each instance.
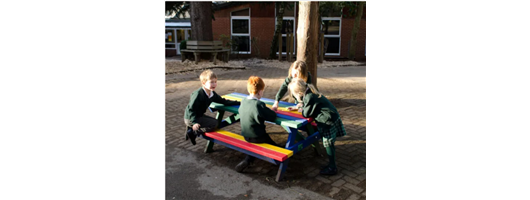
(297, 70)
(196, 122)
(326, 116)
(253, 114)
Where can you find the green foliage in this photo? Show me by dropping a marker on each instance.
(333, 6)
(180, 8)
(229, 43)
(183, 44)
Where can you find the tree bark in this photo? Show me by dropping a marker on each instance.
(320, 42)
(279, 22)
(355, 31)
(308, 27)
(201, 21)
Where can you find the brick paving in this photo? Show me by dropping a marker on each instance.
(344, 86)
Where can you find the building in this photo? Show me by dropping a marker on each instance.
(252, 25)
(176, 31)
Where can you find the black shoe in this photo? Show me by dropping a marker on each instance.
(328, 171)
(199, 132)
(191, 135)
(242, 166)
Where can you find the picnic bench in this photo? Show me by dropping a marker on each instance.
(291, 121)
(198, 47)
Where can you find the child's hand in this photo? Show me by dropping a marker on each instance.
(300, 110)
(196, 127)
(291, 108)
(300, 105)
(275, 106)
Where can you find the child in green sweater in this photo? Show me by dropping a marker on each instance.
(200, 99)
(253, 114)
(327, 118)
(297, 70)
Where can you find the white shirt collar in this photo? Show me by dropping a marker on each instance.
(252, 97)
(211, 93)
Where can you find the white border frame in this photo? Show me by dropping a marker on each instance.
(334, 36)
(240, 34)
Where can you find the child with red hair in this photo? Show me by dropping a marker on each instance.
(253, 114)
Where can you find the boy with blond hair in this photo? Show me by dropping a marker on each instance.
(200, 99)
(253, 114)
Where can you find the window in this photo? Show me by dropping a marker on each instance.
(170, 39)
(240, 27)
(331, 28)
(176, 35)
(288, 26)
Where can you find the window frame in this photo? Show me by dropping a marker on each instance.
(176, 41)
(174, 36)
(242, 34)
(294, 27)
(333, 36)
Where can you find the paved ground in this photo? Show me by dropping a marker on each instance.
(192, 174)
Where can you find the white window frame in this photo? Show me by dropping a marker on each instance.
(174, 36)
(294, 28)
(242, 34)
(176, 42)
(334, 36)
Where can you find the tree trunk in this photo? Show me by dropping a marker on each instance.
(201, 21)
(308, 27)
(356, 27)
(320, 42)
(278, 31)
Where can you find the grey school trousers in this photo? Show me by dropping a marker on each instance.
(207, 123)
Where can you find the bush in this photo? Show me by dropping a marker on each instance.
(183, 44)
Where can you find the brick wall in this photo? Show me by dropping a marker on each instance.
(262, 20)
(346, 30)
(261, 26)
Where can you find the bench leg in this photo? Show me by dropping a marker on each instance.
(229, 120)
(209, 147)
(281, 170)
(182, 56)
(318, 149)
(197, 57)
(214, 55)
(291, 140)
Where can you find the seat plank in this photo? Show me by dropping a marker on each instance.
(271, 151)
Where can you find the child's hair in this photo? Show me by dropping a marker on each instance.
(301, 67)
(255, 84)
(207, 75)
(298, 85)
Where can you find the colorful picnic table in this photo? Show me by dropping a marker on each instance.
(291, 121)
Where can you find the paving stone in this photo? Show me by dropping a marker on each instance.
(351, 180)
(349, 97)
(334, 191)
(338, 183)
(321, 178)
(353, 187)
(354, 197)
(361, 177)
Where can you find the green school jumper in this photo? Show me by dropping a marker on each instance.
(253, 114)
(199, 102)
(285, 87)
(326, 115)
